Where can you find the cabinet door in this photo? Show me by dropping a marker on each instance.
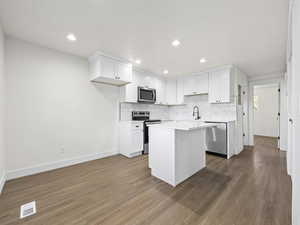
(196, 84)
(107, 67)
(180, 91)
(189, 86)
(137, 140)
(171, 92)
(160, 90)
(224, 86)
(201, 83)
(219, 86)
(146, 80)
(124, 71)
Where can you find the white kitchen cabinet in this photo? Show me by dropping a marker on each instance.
(171, 92)
(131, 135)
(196, 84)
(180, 91)
(124, 71)
(160, 86)
(221, 86)
(108, 70)
(128, 93)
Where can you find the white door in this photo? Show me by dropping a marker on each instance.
(290, 93)
(107, 67)
(266, 108)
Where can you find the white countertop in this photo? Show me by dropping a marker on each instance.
(221, 120)
(183, 125)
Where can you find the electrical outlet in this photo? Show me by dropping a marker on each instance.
(62, 150)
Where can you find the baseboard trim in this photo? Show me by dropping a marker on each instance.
(2, 182)
(13, 174)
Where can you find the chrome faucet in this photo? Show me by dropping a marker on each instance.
(196, 113)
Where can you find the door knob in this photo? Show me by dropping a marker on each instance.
(291, 120)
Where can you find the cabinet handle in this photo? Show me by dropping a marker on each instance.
(136, 126)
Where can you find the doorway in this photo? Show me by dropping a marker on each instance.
(266, 111)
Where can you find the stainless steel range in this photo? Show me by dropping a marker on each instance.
(144, 116)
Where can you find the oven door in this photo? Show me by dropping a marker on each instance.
(147, 95)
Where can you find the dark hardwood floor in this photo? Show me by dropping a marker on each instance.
(251, 188)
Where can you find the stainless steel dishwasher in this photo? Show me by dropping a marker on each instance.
(216, 139)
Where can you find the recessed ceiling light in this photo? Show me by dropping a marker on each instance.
(176, 43)
(71, 37)
(138, 61)
(203, 60)
(165, 71)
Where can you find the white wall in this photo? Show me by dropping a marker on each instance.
(266, 121)
(54, 113)
(2, 111)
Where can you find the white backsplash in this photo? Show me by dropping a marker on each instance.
(207, 111)
(183, 112)
(156, 111)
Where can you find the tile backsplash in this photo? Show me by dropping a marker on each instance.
(207, 111)
(156, 111)
(183, 112)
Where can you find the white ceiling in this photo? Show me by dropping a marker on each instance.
(251, 34)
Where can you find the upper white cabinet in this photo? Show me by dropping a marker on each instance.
(124, 71)
(160, 86)
(107, 70)
(128, 93)
(171, 92)
(174, 92)
(196, 84)
(221, 86)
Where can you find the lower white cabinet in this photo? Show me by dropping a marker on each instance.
(131, 135)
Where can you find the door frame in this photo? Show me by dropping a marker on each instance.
(277, 78)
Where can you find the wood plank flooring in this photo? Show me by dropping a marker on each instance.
(249, 189)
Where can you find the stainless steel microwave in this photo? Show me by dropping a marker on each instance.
(146, 95)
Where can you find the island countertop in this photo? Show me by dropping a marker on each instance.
(183, 125)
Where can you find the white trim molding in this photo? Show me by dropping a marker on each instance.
(276, 79)
(2, 182)
(13, 174)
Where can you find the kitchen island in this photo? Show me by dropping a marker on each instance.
(177, 150)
